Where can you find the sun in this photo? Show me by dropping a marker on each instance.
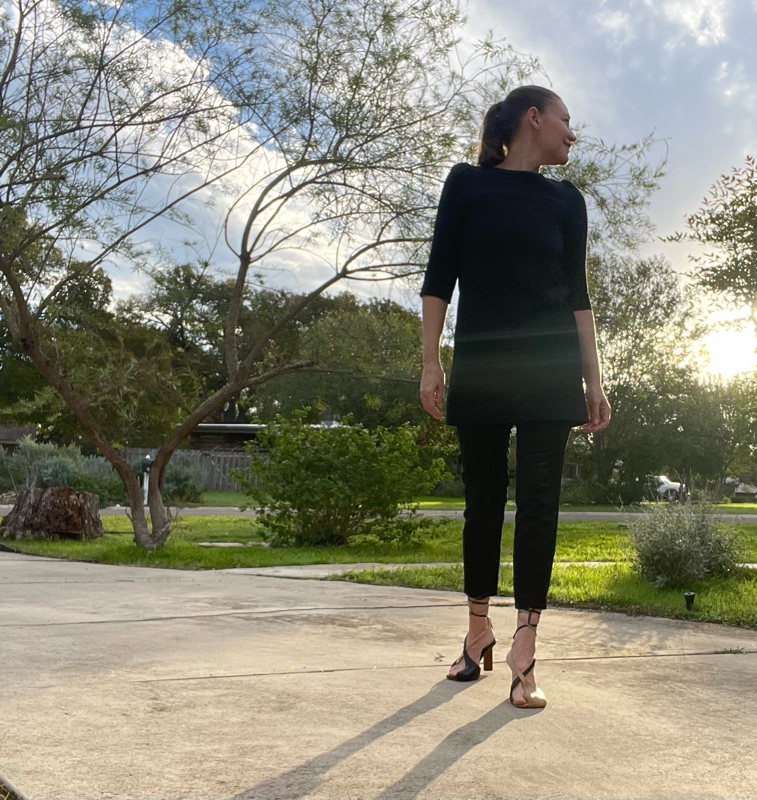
(731, 352)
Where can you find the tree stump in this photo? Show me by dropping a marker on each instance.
(53, 514)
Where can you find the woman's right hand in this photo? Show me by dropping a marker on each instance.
(432, 390)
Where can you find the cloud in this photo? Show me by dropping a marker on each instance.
(675, 23)
(704, 21)
(735, 86)
(617, 25)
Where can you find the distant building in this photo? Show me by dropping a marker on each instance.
(232, 435)
(11, 435)
(222, 435)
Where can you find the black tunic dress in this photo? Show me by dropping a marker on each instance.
(516, 242)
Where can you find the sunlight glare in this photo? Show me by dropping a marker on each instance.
(731, 352)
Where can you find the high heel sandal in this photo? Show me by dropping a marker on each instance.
(534, 698)
(472, 670)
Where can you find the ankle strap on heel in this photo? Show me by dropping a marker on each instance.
(479, 603)
(528, 623)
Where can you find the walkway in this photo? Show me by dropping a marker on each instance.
(131, 682)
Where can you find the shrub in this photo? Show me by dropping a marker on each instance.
(183, 480)
(454, 488)
(319, 486)
(7, 482)
(677, 544)
(579, 494)
(49, 465)
(98, 476)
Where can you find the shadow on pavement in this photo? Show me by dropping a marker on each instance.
(452, 749)
(305, 778)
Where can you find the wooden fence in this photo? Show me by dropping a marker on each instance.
(213, 465)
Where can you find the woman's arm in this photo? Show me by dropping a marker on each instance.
(432, 379)
(438, 285)
(596, 402)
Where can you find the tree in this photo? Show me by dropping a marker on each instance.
(322, 127)
(123, 366)
(369, 365)
(727, 220)
(733, 425)
(647, 332)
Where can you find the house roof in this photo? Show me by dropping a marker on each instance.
(10, 434)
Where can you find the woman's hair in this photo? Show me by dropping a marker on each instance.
(503, 118)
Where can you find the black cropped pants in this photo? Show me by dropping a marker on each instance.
(539, 454)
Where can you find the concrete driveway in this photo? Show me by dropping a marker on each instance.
(128, 682)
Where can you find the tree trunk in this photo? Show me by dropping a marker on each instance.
(53, 514)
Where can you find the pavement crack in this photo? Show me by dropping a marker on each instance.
(241, 613)
(324, 671)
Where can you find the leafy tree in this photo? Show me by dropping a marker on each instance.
(727, 221)
(648, 332)
(323, 128)
(734, 425)
(124, 367)
(368, 366)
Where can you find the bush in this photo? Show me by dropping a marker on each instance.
(49, 465)
(98, 476)
(183, 481)
(677, 544)
(454, 488)
(322, 486)
(578, 494)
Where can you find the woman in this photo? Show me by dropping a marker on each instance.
(515, 242)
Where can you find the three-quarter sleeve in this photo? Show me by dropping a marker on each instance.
(443, 263)
(575, 235)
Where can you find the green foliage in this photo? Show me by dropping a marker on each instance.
(648, 330)
(320, 486)
(369, 362)
(453, 488)
(677, 544)
(183, 481)
(727, 221)
(48, 465)
(578, 494)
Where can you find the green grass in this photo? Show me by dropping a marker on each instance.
(576, 541)
(431, 503)
(611, 587)
(224, 499)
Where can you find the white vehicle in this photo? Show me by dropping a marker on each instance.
(660, 487)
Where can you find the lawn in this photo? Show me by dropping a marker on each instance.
(576, 541)
(609, 587)
(430, 503)
(237, 499)
(223, 499)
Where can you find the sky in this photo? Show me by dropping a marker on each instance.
(683, 70)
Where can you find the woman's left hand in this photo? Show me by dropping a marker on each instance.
(599, 409)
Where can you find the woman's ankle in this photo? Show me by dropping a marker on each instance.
(478, 613)
(529, 616)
